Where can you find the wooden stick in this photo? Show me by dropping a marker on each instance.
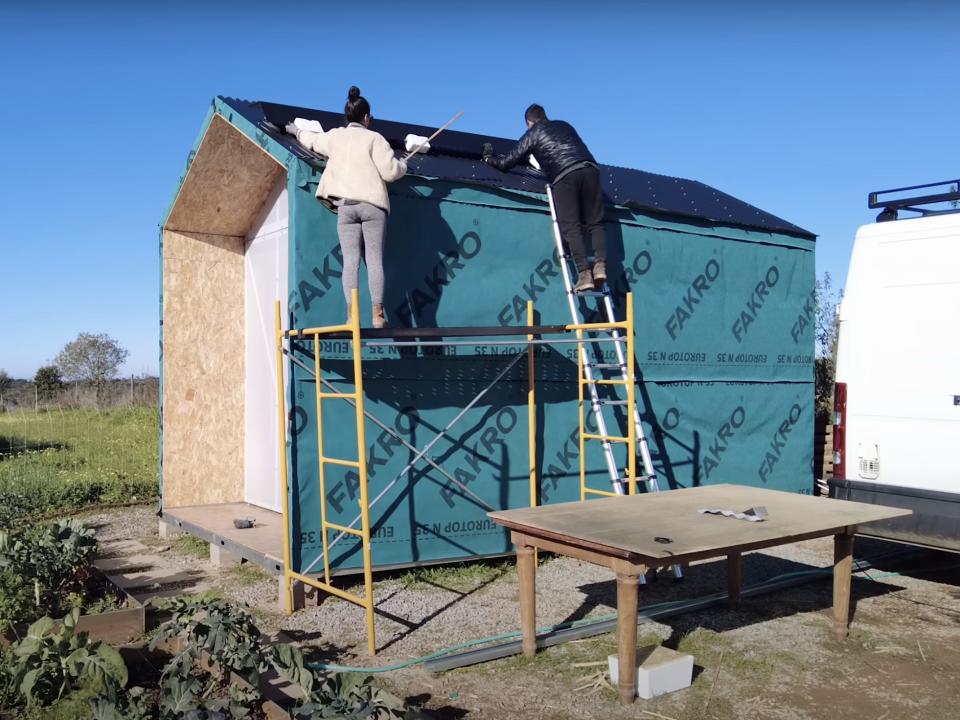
(657, 715)
(449, 123)
(715, 678)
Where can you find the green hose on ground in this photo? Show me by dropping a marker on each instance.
(559, 626)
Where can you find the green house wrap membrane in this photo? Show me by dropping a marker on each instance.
(724, 339)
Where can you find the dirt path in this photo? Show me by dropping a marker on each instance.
(774, 659)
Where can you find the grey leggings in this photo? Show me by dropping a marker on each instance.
(361, 229)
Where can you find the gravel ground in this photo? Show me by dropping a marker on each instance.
(774, 658)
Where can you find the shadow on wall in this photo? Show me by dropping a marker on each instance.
(413, 298)
(421, 260)
(666, 466)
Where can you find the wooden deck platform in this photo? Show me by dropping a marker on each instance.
(262, 544)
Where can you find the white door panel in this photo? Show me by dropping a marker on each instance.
(265, 265)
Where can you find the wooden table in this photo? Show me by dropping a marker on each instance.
(632, 534)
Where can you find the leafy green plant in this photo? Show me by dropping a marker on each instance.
(14, 508)
(135, 704)
(40, 567)
(344, 696)
(231, 639)
(17, 602)
(53, 665)
(227, 633)
(52, 660)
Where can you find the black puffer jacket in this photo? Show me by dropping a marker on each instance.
(555, 145)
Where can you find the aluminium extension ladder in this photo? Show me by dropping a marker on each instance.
(605, 301)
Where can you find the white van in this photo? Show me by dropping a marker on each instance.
(897, 395)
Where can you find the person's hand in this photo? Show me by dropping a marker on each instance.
(486, 152)
(291, 129)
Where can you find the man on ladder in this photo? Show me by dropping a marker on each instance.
(576, 205)
(573, 173)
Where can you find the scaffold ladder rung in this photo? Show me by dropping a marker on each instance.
(603, 493)
(606, 438)
(339, 461)
(343, 529)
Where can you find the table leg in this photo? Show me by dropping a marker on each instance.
(734, 578)
(526, 571)
(842, 565)
(627, 636)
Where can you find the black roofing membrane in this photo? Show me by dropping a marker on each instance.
(455, 155)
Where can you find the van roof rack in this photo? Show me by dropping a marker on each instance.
(891, 206)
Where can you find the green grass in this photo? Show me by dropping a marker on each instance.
(249, 573)
(708, 647)
(64, 460)
(192, 546)
(459, 577)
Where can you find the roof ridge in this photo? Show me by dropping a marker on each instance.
(455, 155)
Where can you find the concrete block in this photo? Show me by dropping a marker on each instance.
(221, 557)
(168, 530)
(299, 596)
(660, 670)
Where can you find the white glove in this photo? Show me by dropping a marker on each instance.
(311, 125)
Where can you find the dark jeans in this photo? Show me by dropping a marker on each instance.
(579, 203)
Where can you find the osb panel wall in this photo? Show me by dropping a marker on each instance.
(203, 373)
(228, 180)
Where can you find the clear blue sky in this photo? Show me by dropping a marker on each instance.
(800, 111)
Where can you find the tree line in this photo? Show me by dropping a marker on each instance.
(84, 372)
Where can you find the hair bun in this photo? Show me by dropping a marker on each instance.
(353, 93)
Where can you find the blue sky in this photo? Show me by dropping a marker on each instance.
(799, 110)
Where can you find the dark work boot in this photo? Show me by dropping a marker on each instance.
(584, 282)
(600, 272)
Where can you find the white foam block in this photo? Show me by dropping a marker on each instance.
(660, 670)
(310, 125)
(412, 141)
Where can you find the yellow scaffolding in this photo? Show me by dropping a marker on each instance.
(352, 328)
(626, 326)
(360, 464)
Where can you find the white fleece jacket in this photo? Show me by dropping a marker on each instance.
(360, 163)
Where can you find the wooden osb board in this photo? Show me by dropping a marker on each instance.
(630, 526)
(226, 185)
(203, 368)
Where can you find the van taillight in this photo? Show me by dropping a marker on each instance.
(840, 431)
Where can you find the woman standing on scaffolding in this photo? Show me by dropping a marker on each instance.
(360, 163)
